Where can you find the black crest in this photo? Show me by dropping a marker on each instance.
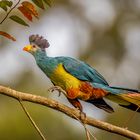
(39, 41)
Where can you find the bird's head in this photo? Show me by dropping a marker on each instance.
(37, 43)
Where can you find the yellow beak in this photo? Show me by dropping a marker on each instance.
(27, 48)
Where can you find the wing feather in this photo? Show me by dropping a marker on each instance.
(83, 71)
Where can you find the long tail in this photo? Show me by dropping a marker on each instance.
(128, 98)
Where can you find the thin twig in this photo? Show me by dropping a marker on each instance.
(31, 120)
(10, 11)
(88, 133)
(68, 111)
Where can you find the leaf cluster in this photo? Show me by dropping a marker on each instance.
(27, 8)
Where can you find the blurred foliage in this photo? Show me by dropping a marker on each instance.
(107, 49)
(25, 7)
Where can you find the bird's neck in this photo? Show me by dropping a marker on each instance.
(40, 57)
(47, 64)
(40, 54)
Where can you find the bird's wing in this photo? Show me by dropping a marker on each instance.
(83, 71)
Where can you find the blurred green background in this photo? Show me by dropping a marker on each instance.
(103, 33)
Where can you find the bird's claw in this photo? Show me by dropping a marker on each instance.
(82, 116)
(52, 89)
(57, 88)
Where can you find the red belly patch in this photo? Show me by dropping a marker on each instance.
(86, 91)
(72, 93)
(93, 93)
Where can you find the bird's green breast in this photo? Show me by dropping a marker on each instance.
(62, 78)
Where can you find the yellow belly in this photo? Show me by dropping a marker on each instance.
(62, 78)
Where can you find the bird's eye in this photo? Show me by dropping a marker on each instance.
(33, 46)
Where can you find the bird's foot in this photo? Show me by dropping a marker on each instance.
(57, 88)
(82, 116)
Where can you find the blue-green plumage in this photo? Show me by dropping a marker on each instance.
(46, 64)
(77, 68)
(80, 80)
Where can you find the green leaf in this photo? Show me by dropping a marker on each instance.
(18, 20)
(48, 2)
(5, 3)
(39, 3)
(8, 3)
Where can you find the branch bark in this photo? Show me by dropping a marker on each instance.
(68, 111)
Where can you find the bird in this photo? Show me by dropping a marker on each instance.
(79, 80)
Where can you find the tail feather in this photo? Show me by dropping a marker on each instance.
(132, 96)
(100, 103)
(127, 89)
(132, 107)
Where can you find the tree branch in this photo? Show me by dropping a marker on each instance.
(68, 111)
